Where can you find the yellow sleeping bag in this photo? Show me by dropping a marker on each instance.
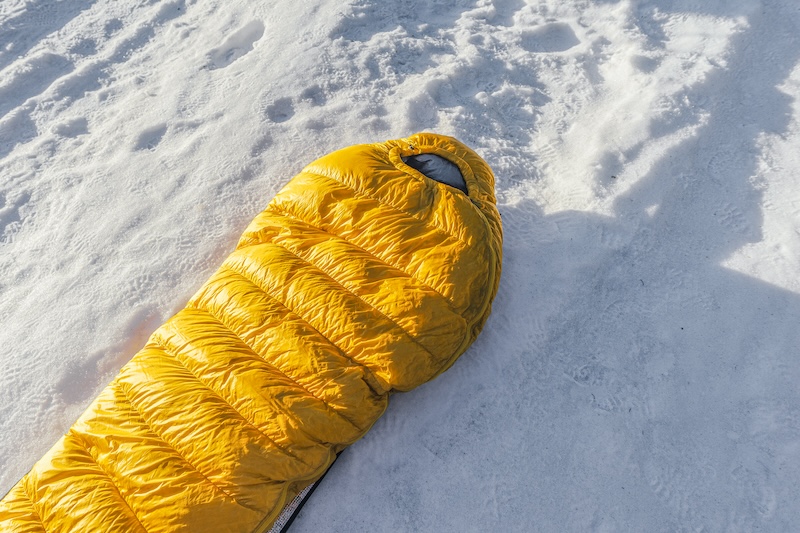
(362, 276)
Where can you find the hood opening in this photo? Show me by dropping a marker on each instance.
(438, 169)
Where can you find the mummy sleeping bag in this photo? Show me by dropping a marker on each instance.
(363, 276)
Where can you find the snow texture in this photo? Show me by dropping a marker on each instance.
(640, 369)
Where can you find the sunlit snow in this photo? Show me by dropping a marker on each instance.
(640, 369)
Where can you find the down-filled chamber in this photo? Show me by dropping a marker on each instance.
(362, 276)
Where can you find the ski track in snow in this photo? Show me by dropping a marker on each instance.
(638, 372)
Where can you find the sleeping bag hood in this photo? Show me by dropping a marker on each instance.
(363, 276)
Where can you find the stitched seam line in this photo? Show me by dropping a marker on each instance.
(277, 211)
(174, 353)
(33, 504)
(298, 315)
(273, 366)
(110, 479)
(362, 300)
(178, 452)
(414, 277)
(362, 193)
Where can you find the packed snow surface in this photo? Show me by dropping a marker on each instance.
(640, 370)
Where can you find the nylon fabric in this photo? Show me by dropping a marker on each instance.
(362, 277)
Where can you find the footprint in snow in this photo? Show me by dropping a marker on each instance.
(10, 215)
(236, 45)
(314, 94)
(555, 37)
(280, 110)
(150, 138)
(71, 128)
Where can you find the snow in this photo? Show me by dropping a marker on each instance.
(639, 370)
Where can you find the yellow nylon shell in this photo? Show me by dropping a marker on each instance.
(361, 277)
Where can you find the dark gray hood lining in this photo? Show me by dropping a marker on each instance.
(438, 169)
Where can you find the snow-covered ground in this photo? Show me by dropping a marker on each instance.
(641, 369)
